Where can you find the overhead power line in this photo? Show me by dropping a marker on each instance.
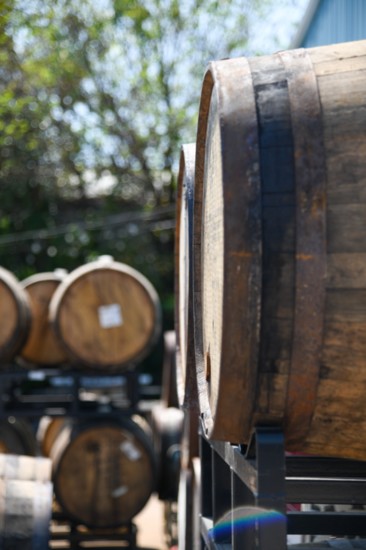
(106, 222)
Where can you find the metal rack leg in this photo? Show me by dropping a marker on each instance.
(243, 536)
(270, 498)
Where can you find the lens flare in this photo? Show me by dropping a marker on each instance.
(244, 518)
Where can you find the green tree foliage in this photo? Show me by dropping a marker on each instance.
(96, 98)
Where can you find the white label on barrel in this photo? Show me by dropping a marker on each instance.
(110, 316)
(120, 491)
(129, 449)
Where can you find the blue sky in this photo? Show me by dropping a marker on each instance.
(275, 32)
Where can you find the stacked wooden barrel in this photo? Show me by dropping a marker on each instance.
(42, 347)
(279, 253)
(104, 316)
(15, 316)
(104, 469)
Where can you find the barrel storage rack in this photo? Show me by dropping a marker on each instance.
(68, 392)
(33, 395)
(247, 496)
(43, 378)
(270, 263)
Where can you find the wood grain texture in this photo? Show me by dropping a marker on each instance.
(310, 230)
(226, 249)
(106, 314)
(14, 314)
(42, 346)
(104, 473)
(185, 361)
(48, 429)
(312, 213)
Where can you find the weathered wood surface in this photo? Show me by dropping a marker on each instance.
(48, 429)
(42, 346)
(185, 363)
(103, 472)
(106, 314)
(226, 219)
(14, 314)
(279, 248)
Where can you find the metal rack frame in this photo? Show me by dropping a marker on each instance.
(63, 529)
(58, 392)
(34, 393)
(245, 492)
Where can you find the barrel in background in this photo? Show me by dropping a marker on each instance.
(42, 347)
(280, 248)
(184, 296)
(48, 429)
(17, 437)
(106, 314)
(185, 360)
(14, 314)
(104, 470)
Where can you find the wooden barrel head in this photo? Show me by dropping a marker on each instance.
(103, 473)
(14, 314)
(185, 364)
(106, 314)
(226, 250)
(42, 346)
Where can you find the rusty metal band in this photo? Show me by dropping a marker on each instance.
(310, 231)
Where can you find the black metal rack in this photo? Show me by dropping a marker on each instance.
(70, 392)
(246, 491)
(76, 536)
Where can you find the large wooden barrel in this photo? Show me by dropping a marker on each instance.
(185, 361)
(106, 314)
(104, 471)
(42, 346)
(14, 314)
(280, 248)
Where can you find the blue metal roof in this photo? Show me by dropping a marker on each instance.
(330, 22)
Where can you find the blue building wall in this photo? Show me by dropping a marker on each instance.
(336, 21)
